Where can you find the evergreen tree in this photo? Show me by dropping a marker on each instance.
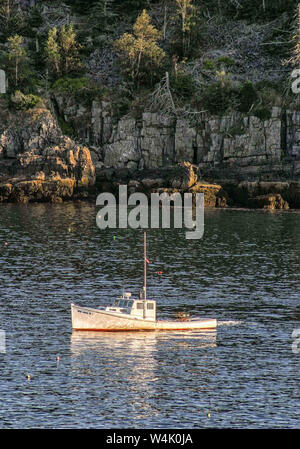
(140, 52)
(53, 51)
(17, 55)
(80, 6)
(101, 15)
(69, 49)
(131, 5)
(62, 51)
(10, 19)
(254, 10)
(186, 10)
(295, 60)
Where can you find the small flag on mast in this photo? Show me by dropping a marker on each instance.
(147, 260)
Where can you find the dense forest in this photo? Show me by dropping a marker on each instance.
(213, 55)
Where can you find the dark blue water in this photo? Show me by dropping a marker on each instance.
(245, 272)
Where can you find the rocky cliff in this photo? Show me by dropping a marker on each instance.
(37, 162)
(235, 159)
(248, 156)
(235, 145)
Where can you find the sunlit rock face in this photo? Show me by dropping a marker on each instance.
(39, 163)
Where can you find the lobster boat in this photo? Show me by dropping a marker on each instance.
(133, 314)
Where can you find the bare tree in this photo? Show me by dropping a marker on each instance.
(294, 60)
(161, 99)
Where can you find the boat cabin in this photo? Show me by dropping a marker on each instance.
(137, 308)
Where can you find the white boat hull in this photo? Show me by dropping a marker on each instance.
(88, 319)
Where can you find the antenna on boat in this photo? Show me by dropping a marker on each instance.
(145, 266)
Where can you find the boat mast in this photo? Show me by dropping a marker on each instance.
(145, 266)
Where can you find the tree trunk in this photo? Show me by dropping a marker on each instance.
(8, 11)
(105, 14)
(183, 24)
(138, 65)
(17, 72)
(165, 21)
(57, 67)
(169, 92)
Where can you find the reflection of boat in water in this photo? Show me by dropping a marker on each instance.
(133, 375)
(131, 339)
(140, 344)
(129, 314)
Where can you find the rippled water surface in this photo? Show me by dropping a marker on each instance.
(245, 272)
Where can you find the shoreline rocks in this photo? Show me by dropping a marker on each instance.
(269, 201)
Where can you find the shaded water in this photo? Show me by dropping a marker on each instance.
(245, 272)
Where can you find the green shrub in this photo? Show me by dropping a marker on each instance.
(262, 112)
(271, 89)
(65, 127)
(217, 99)
(82, 89)
(218, 63)
(269, 94)
(209, 64)
(237, 129)
(247, 97)
(70, 85)
(183, 85)
(24, 102)
(256, 99)
(224, 61)
(121, 107)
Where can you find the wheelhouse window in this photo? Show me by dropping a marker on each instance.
(150, 305)
(123, 303)
(139, 305)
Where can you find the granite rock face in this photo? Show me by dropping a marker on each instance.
(123, 149)
(241, 157)
(146, 143)
(38, 163)
(232, 146)
(157, 140)
(293, 133)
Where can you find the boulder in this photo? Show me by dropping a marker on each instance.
(270, 201)
(210, 191)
